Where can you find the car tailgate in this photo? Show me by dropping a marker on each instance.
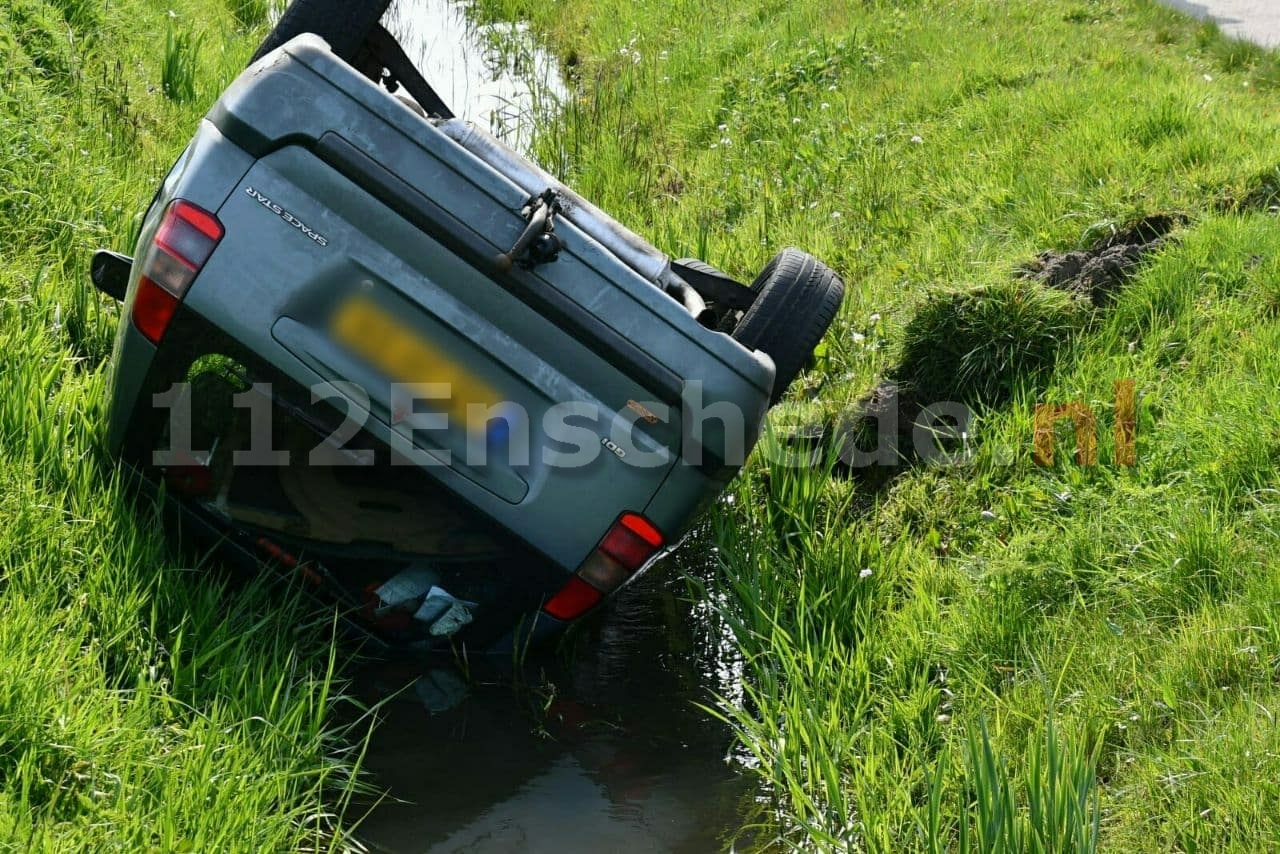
(318, 276)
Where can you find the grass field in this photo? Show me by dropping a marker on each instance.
(145, 704)
(985, 656)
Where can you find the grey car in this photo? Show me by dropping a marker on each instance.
(367, 342)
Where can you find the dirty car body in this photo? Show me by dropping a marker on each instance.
(390, 354)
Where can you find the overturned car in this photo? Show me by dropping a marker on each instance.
(368, 342)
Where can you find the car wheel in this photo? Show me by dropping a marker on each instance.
(344, 24)
(797, 297)
(706, 269)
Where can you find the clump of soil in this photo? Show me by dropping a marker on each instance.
(889, 430)
(1263, 195)
(883, 417)
(973, 348)
(1099, 271)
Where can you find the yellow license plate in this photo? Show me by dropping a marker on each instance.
(382, 340)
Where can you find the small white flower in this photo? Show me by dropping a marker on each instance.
(722, 128)
(1208, 78)
(831, 88)
(796, 120)
(172, 14)
(725, 141)
(874, 319)
(865, 573)
(858, 337)
(917, 140)
(989, 516)
(825, 105)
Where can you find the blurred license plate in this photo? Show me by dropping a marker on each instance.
(399, 352)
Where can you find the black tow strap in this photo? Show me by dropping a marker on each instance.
(402, 72)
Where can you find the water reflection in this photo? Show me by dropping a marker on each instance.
(602, 748)
(495, 75)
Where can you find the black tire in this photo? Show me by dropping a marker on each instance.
(706, 269)
(344, 24)
(797, 297)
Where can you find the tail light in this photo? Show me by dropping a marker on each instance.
(183, 243)
(574, 599)
(630, 543)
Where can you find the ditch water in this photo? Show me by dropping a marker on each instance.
(601, 746)
(495, 75)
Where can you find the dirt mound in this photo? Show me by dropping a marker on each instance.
(1099, 271)
(976, 345)
(1262, 195)
(972, 348)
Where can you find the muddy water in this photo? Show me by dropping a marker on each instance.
(597, 748)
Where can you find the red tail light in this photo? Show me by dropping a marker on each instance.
(574, 599)
(629, 544)
(153, 308)
(195, 479)
(631, 541)
(183, 243)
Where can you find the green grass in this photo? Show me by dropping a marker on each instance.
(146, 702)
(181, 66)
(990, 656)
(250, 13)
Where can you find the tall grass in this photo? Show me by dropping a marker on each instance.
(147, 700)
(922, 149)
(179, 70)
(250, 14)
(1052, 807)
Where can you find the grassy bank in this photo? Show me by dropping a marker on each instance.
(994, 655)
(144, 703)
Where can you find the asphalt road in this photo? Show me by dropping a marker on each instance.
(1255, 20)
